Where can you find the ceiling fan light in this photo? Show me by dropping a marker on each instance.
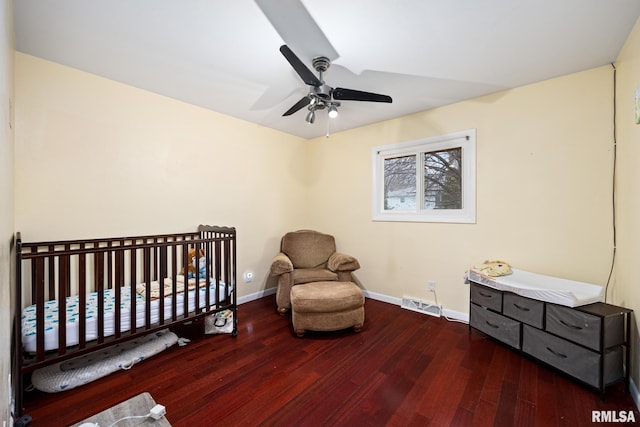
(333, 111)
(311, 117)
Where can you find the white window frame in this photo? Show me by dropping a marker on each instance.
(466, 140)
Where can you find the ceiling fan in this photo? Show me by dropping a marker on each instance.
(321, 95)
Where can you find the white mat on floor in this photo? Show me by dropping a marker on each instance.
(90, 367)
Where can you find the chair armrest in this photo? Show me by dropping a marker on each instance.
(281, 264)
(342, 262)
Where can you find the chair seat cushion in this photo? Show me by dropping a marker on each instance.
(307, 275)
(326, 297)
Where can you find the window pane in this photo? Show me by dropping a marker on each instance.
(400, 183)
(426, 180)
(443, 179)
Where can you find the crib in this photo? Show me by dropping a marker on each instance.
(78, 296)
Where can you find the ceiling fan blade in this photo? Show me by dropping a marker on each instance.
(298, 106)
(303, 71)
(358, 95)
(297, 28)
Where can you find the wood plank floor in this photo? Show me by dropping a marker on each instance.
(403, 369)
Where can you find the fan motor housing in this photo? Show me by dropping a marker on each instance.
(321, 64)
(323, 91)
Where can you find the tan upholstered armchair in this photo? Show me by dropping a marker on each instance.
(308, 256)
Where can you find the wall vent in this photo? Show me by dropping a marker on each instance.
(420, 306)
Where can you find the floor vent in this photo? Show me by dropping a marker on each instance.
(420, 306)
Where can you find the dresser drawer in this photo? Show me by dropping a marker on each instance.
(613, 322)
(523, 309)
(576, 361)
(579, 327)
(495, 325)
(486, 297)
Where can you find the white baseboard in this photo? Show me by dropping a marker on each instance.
(382, 297)
(256, 295)
(456, 315)
(447, 314)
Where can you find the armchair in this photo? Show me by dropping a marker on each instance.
(308, 256)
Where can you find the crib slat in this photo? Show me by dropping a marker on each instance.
(162, 273)
(147, 281)
(39, 301)
(207, 275)
(218, 269)
(51, 292)
(117, 287)
(64, 286)
(68, 283)
(82, 299)
(174, 274)
(132, 291)
(196, 295)
(98, 280)
(185, 266)
(109, 281)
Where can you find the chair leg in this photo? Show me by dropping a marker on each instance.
(300, 332)
(282, 311)
(357, 328)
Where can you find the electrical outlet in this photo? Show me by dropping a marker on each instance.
(432, 285)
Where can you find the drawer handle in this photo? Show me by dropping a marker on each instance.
(485, 295)
(521, 308)
(555, 353)
(569, 325)
(491, 324)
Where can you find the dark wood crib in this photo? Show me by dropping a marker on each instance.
(126, 277)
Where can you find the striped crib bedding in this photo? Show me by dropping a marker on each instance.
(51, 309)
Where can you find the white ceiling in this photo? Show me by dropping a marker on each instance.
(223, 55)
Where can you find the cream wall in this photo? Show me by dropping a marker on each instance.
(6, 205)
(95, 158)
(626, 290)
(544, 178)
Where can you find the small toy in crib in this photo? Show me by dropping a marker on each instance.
(194, 266)
(202, 268)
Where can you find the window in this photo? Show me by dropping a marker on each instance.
(428, 180)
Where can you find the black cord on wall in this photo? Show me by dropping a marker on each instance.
(613, 189)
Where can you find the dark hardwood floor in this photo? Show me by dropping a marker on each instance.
(403, 369)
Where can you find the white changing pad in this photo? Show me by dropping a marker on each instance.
(555, 290)
(72, 313)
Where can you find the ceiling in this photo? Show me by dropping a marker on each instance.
(224, 55)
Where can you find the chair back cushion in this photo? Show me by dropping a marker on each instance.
(308, 248)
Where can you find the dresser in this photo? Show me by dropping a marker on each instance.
(589, 343)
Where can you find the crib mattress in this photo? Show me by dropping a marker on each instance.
(555, 290)
(72, 314)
